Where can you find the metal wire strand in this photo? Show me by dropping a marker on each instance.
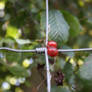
(75, 50)
(17, 50)
(48, 72)
(46, 55)
(41, 50)
(47, 21)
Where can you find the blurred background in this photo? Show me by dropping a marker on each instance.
(22, 27)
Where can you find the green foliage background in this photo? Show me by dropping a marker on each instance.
(22, 26)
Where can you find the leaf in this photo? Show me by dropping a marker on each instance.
(22, 41)
(68, 71)
(70, 54)
(7, 41)
(72, 81)
(18, 71)
(58, 26)
(60, 63)
(89, 20)
(13, 56)
(13, 32)
(66, 68)
(60, 89)
(85, 71)
(75, 27)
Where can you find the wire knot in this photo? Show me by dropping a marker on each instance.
(40, 50)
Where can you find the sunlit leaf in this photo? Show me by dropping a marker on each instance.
(22, 41)
(13, 32)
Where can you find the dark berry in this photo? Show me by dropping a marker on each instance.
(59, 77)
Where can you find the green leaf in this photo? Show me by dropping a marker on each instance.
(66, 68)
(60, 63)
(75, 27)
(18, 71)
(13, 32)
(13, 56)
(22, 41)
(68, 71)
(70, 54)
(60, 89)
(8, 41)
(72, 81)
(58, 27)
(89, 20)
(85, 71)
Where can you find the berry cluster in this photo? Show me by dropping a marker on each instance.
(59, 77)
(52, 48)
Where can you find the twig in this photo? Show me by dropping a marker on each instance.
(38, 87)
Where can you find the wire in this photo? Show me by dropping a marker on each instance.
(41, 50)
(48, 72)
(46, 55)
(17, 50)
(47, 21)
(75, 50)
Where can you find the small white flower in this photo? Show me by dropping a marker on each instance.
(2, 5)
(2, 13)
(31, 61)
(21, 80)
(13, 81)
(17, 83)
(26, 63)
(5, 86)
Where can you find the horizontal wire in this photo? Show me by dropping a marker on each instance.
(17, 50)
(75, 50)
(43, 50)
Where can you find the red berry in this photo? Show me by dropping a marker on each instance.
(52, 51)
(52, 44)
